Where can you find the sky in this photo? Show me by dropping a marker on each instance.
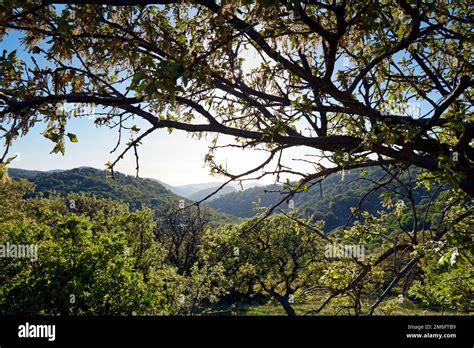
(175, 159)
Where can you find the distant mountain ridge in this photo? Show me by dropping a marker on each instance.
(199, 191)
(190, 191)
(200, 195)
(332, 202)
(136, 192)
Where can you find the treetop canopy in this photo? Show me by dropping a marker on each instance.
(357, 83)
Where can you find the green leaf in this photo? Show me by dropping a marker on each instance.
(72, 137)
(137, 78)
(54, 137)
(59, 148)
(10, 159)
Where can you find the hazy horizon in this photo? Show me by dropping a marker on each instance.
(235, 183)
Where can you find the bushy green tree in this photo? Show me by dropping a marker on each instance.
(180, 231)
(89, 260)
(447, 271)
(277, 256)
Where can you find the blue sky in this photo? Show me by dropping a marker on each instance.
(175, 159)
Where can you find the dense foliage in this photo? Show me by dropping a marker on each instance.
(136, 192)
(332, 202)
(355, 83)
(278, 257)
(98, 257)
(330, 85)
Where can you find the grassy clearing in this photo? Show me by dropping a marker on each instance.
(390, 307)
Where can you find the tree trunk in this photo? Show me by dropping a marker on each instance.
(286, 305)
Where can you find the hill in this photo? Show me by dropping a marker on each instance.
(331, 203)
(198, 191)
(136, 192)
(197, 196)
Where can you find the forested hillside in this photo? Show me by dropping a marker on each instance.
(332, 201)
(125, 188)
(206, 192)
(174, 261)
(136, 192)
